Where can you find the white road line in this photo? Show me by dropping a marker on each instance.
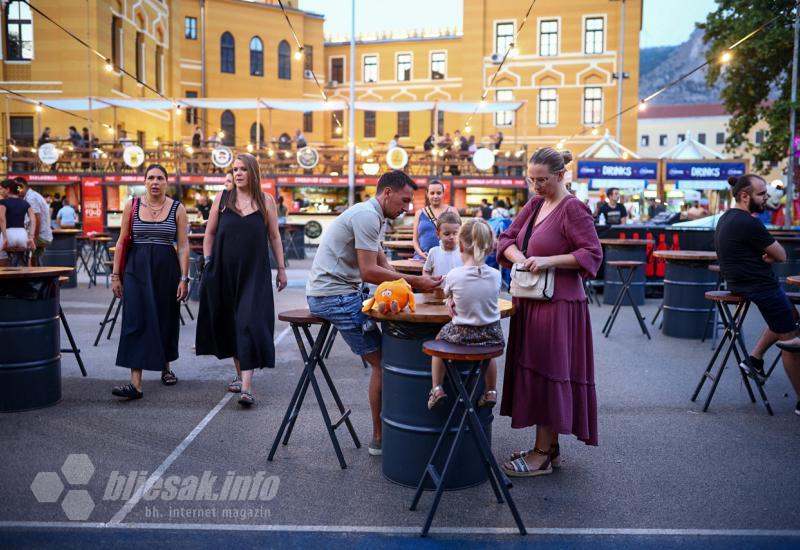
(156, 475)
(388, 529)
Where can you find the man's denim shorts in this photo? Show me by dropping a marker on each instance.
(775, 307)
(344, 312)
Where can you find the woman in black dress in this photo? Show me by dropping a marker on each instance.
(155, 282)
(237, 313)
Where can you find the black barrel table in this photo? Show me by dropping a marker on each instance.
(63, 252)
(686, 281)
(30, 354)
(791, 243)
(634, 250)
(410, 430)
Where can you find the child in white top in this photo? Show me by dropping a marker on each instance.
(441, 259)
(472, 292)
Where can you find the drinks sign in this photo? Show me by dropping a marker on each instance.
(705, 170)
(623, 170)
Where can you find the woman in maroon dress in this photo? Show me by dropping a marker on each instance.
(549, 376)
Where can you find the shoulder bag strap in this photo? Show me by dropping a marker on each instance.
(222, 200)
(530, 228)
(134, 212)
(432, 217)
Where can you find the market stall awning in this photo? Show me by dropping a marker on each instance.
(608, 148)
(690, 149)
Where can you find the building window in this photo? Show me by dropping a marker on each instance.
(701, 138)
(227, 53)
(645, 140)
(662, 140)
(369, 124)
(548, 38)
(438, 65)
(256, 56)
(593, 35)
(19, 32)
(403, 123)
(228, 125)
(308, 59)
(759, 137)
(22, 130)
(681, 138)
(592, 105)
(160, 69)
(116, 41)
(337, 69)
(308, 122)
(140, 60)
(504, 118)
(548, 107)
(370, 68)
(404, 67)
(503, 37)
(256, 128)
(720, 138)
(337, 131)
(284, 61)
(191, 113)
(190, 28)
(439, 123)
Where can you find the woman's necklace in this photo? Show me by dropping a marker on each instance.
(241, 207)
(155, 212)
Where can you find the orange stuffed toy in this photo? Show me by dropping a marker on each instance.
(391, 296)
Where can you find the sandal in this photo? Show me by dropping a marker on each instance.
(128, 390)
(489, 399)
(168, 378)
(247, 399)
(235, 386)
(436, 397)
(555, 455)
(520, 468)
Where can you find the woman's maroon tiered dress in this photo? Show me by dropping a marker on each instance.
(549, 376)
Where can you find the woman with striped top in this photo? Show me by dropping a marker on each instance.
(155, 282)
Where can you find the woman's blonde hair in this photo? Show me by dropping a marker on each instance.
(477, 238)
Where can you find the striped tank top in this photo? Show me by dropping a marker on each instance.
(163, 232)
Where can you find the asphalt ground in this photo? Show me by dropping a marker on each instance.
(665, 473)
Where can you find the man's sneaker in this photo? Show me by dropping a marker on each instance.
(375, 448)
(754, 368)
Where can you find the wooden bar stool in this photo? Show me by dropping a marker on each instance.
(732, 336)
(626, 269)
(465, 402)
(73, 349)
(301, 320)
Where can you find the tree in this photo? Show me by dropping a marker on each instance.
(758, 77)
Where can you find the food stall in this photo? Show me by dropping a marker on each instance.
(468, 192)
(65, 185)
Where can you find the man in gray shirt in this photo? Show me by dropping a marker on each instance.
(43, 233)
(349, 255)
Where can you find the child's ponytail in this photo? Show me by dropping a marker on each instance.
(477, 238)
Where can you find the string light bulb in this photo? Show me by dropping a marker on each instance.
(482, 103)
(249, 147)
(298, 55)
(726, 57)
(39, 108)
(109, 66)
(110, 130)
(178, 110)
(338, 131)
(156, 142)
(513, 51)
(595, 131)
(642, 106)
(221, 134)
(467, 129)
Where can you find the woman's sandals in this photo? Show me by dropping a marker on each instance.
(246, 399)
(168, 378)
(436, 397)
(235, 385)
(520, 468)
(555, 455)
(489, 399)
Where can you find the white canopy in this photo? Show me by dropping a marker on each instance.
(690, 149)
(608, 148)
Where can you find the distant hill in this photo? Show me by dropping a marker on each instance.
(662, 65)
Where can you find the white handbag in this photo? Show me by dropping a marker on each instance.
(527, 284)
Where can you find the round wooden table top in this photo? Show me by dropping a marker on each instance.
(33, 272)
(687, 255)
(431, 313)
(67, 231)
(787, 238)
(100, 239)
(414, 267)
(404, 245)
(627, 242)
(793, 280)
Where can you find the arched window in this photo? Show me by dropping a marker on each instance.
(256, 57)
(140, 60)
(257, 139)
(19, 32)
(160, 69)
(228, 124)
(116, 42)
(284, 61)
(227, 51)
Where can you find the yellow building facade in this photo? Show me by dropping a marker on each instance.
(563, 70)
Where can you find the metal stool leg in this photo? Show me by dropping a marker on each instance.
(105, 320)
(73, 347)
(731, 343)
(114, 320)
(707, 372)
(612, 315)
(759, 385)
(188, 310)
(658, 312)
(639, 316)
(618, 303)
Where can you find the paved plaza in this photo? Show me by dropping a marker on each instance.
(665, 473)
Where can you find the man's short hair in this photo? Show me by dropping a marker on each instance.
(396, 180)
(611, 190)
(743, 183)
(21, 181)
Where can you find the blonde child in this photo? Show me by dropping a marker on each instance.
(472, 292)
(441, 259)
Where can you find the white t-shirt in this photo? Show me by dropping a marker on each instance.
(440, 261)
(41, 207)
(475, 292)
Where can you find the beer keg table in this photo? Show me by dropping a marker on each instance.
(30, 356)
(410, 430)
(410, 267)
(791, 243)
(624, 250)
(63, 252)
(686, 280)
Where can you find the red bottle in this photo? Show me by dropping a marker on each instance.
(650, 268)
(676, 245)
(661, 266)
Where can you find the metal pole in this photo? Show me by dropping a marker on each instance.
(204, 116)
(257, 144)
(89, 81)
(8, 135)
(792, 125)
(621, 71)
(351, 144)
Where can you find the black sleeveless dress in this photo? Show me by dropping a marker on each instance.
(237, 312)
(150, 309)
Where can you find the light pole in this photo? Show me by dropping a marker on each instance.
(792, 124)
(620, 75)
(351, 133)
